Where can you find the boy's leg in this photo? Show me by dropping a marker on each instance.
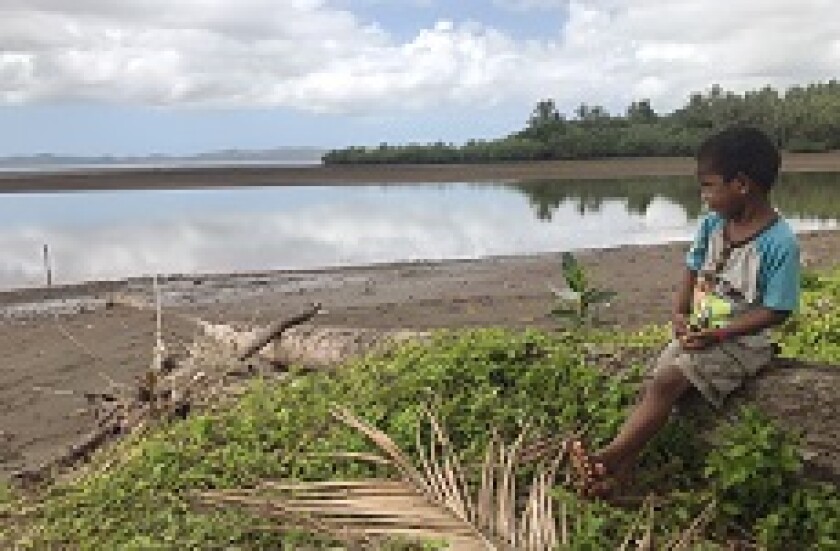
(715, 372)
(659, 394)
(647, 418)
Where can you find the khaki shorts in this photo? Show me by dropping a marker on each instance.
(718, 370)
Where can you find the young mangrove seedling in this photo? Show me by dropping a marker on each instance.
(577, 303)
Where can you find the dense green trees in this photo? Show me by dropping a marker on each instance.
(800, 119)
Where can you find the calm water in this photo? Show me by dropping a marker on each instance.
(109, 235)
(23, 166)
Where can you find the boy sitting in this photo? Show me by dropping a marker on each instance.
(742, 274)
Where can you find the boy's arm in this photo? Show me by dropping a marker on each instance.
(694, 260)
(682, 302)
(751, 321)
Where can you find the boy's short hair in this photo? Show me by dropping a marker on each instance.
(742, 149)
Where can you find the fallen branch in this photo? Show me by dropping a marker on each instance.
(166, 393)
(274, 330)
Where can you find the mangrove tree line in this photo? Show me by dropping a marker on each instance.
(801, 119)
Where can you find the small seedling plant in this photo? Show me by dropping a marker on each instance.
(577, 304)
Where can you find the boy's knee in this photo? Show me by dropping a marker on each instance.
(668, 381)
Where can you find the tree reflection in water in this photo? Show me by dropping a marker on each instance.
(800, 195)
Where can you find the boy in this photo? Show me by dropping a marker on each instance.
(742, 273)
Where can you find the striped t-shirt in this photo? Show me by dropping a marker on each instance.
(762, 271)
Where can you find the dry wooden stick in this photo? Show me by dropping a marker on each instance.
(275, 330)
(118, 416)
(160, 349)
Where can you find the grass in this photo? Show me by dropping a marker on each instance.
(476, 380)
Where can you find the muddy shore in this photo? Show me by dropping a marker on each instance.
(181, 178)
(59, 343)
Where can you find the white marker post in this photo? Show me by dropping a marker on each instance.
(47, 268)
(159, 348)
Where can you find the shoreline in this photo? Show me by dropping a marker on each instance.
(50, 361)
(208, 177)
(98, 289)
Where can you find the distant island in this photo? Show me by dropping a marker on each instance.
(801, 119)
(234, 156)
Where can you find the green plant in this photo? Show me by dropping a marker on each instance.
(475, 380)
(811, 517)
(754, 473)
(578, 303)
(6, 493)
(813, 333)
(11, 506)
(753, 468)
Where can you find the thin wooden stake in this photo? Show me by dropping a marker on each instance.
(160, 350)
(47, 267)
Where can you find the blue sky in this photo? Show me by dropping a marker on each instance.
(404, 19)
(109, 129)
(136, 77)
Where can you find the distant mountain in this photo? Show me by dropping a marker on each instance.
(280, 154)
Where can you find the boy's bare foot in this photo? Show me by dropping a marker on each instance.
(596, 478)
(593, 478)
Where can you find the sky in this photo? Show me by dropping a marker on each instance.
(137, 77)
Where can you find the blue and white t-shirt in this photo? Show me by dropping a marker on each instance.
(762, 271)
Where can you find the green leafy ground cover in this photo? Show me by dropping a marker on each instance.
(476, 380)
(814, 334)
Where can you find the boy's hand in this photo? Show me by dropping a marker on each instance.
(698, 340)
(679, 324)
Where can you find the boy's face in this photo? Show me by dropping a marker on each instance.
(725, 198)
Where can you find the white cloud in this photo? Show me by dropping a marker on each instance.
(305, 54)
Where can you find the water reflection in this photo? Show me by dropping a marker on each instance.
(803, 195)
(588, 196)
(119, 234)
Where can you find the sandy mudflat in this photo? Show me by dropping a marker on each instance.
(170, 178)
(45, 356)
